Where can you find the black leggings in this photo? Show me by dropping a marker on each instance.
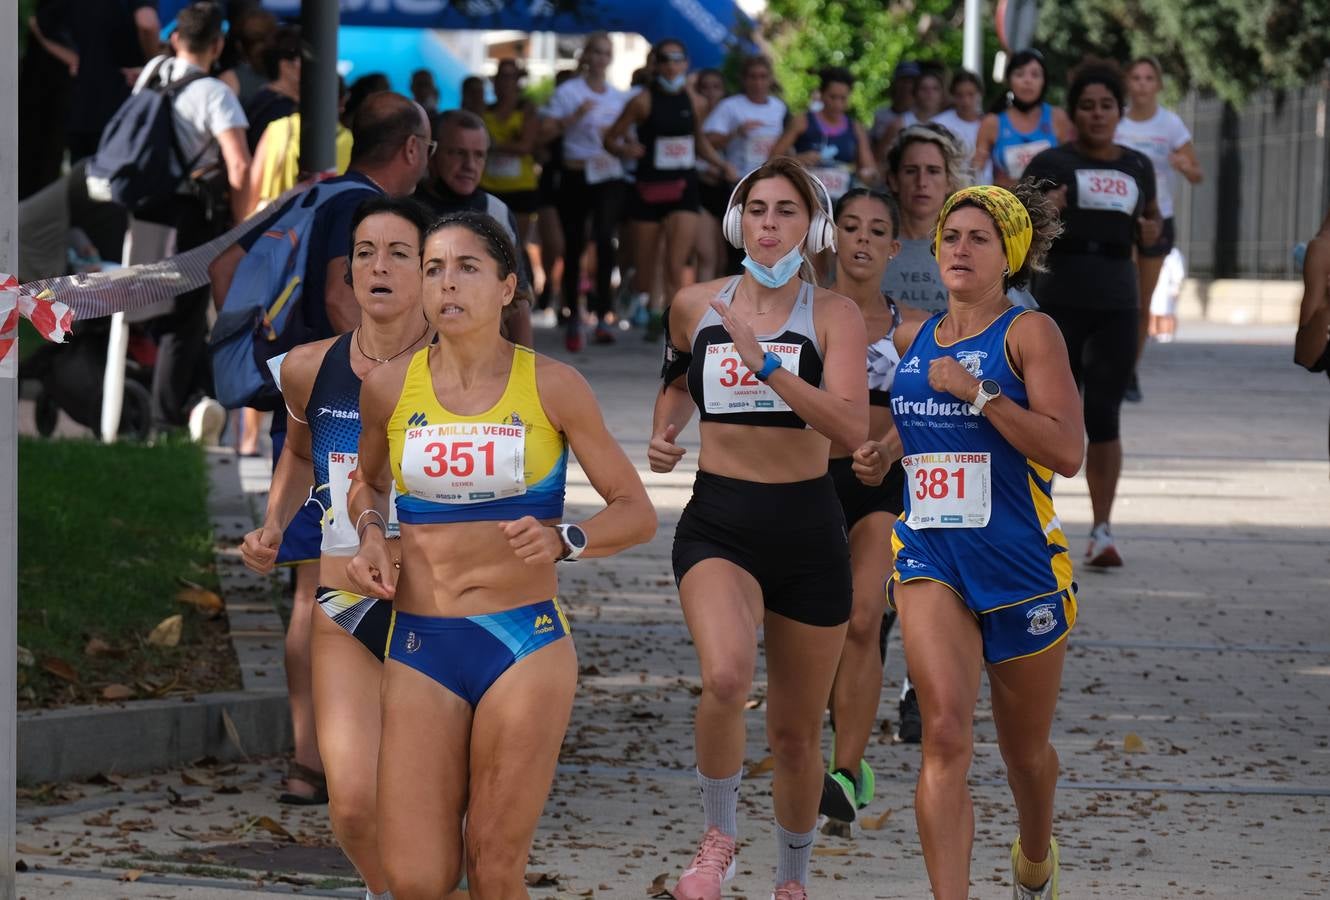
(1101, 344)
(603, 203)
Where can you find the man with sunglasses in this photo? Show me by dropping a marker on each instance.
(455, 170)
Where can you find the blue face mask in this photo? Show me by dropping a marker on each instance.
(673, 85)
(778, 275)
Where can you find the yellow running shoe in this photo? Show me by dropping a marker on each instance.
(1050, 889)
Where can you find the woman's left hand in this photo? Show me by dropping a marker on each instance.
(745, 339)
(946, 374)
(534, 543)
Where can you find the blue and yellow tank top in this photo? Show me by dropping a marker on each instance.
(971, 497)
(504, 463)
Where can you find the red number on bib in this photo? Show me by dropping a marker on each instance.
(732, 377)
(439, 451)
(461, 456)
(464, 463)
(934, 483)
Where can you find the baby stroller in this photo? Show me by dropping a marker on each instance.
(69, 377)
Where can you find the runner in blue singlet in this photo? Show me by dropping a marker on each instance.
(987, 411)
(1027, 127)
(321, 386)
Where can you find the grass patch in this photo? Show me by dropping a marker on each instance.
(105, 531)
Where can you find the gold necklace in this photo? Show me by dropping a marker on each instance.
(376, 359)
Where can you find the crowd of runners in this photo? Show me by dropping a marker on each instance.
(894, 336)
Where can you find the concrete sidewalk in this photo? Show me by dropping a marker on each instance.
(1211, 645)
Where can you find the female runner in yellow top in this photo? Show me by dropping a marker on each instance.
(479, 681)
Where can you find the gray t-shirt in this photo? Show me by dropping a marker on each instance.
(912, 277)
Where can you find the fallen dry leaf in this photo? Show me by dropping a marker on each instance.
(167, 632)
(765, 764)
(32, 850)
(233, 733)
(202, 599)
(132, 875)
(194, 780)
(1132, 743)
(117, 692)
(542, 879)
(874, 823)
(96, 647)
(268, 824)
(60, 669)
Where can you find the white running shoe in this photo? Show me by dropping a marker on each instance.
(1102, 553)
(206, 421)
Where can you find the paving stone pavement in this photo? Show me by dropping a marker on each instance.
(1211, 645)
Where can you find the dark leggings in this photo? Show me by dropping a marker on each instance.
(603, 203)
(1101, 344)
(182, 371)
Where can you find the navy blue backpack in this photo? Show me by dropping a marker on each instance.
(260, 317)
(138, 162)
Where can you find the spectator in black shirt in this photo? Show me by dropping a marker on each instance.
(111, 41)
(280, 97)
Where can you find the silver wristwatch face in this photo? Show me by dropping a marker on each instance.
(574, 537)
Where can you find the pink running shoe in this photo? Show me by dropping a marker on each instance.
(790, 890)
(711, 867)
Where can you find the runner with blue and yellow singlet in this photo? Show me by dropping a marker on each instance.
(479, 679)
(987, 412)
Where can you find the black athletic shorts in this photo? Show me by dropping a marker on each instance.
(790, 537)
(715, 198)
(858, 499)
(1164, 245)
(522, 203)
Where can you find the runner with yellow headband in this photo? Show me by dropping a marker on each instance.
(987, 411)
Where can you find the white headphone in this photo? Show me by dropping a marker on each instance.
(821, 229)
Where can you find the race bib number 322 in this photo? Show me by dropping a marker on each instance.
(465, 462)
(948, 490)
(728, 386)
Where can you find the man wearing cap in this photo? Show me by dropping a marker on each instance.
(902, 98)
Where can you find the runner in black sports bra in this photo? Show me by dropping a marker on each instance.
(775, 368)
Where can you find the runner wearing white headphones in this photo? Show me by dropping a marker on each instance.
(761, 543)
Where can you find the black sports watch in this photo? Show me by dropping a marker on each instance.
(988, 390)
(574, 542)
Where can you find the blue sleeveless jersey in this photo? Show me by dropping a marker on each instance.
(1021, 553)
(1013, 150)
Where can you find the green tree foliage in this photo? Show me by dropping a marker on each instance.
(868, 37)
(1231, 47)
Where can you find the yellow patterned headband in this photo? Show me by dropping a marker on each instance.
(1011, 216)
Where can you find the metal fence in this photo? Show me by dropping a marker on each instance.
(1267, 182)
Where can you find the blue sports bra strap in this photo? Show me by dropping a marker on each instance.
(726, 294)
(1046, 118)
